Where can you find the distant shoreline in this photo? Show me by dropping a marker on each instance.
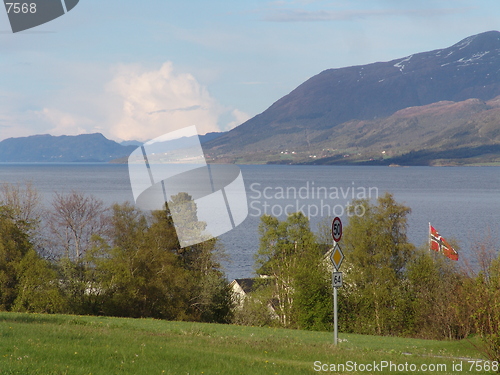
(116, 162)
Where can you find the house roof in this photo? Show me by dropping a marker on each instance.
(246, 284)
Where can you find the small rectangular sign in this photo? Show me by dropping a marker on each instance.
(337, 279)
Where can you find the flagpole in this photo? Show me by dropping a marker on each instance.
(429, 235)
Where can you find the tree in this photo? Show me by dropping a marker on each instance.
(143, 272)
(38, 287)
(27, 282)
(137, 272)
(482, 295)
(377, 252)
(435, 294)
(22, 205)
(492, 337)
(255, 310)
(14, 245)
(75, 218)
(289, 254)
(210, 298)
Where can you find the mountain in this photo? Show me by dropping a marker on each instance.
(131, 143)
(203, 139)
(334, 98)
(445, 132)
(47, 148)
(210, 136)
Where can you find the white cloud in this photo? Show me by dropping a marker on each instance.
(64, 123)
(13, 131)
(239, 118)
(155, 102)
(124, 103)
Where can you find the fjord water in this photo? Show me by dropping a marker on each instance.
(461, 202)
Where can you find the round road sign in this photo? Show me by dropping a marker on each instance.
(336, 229)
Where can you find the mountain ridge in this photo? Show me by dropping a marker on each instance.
(93, 147)
(465, 128)
(65, 148)
(468, 69)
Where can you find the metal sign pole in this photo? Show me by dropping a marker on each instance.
(335, 317)
(336, 256)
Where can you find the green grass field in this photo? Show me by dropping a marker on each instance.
(62, 344)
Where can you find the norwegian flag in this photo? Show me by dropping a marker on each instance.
(439, 244)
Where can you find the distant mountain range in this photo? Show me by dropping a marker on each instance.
(79, 148)
(64, 148)
(383, 112)
(433, 108)
(203, 139)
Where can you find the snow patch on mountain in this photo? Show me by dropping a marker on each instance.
(400, 64)
(466, 42)
(475, 57)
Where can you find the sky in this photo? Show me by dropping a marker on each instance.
(135, 70)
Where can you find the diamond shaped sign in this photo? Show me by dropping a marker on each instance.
(337, 256)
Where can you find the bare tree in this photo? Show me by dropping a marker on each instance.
(23, 205)
(74, 219)
(483, 253)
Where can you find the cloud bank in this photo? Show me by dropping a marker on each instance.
(155, 102)
(128, 103)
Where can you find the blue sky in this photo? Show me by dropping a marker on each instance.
(139, 69)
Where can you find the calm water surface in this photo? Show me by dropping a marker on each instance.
(462, 203)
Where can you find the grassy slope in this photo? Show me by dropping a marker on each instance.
(442, 133)
(60, 344)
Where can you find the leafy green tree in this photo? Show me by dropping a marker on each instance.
(210, 296)
(289, 254)
(256, 308)
(128, 226)
(27, 282)
(76, 286)
(377, 252)
(38, 287)
(211, 299)
(139, 274)
(492, 338)
(435, 294)
(314, 295)
(14, 245)
(143, 272)
(482, 296)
